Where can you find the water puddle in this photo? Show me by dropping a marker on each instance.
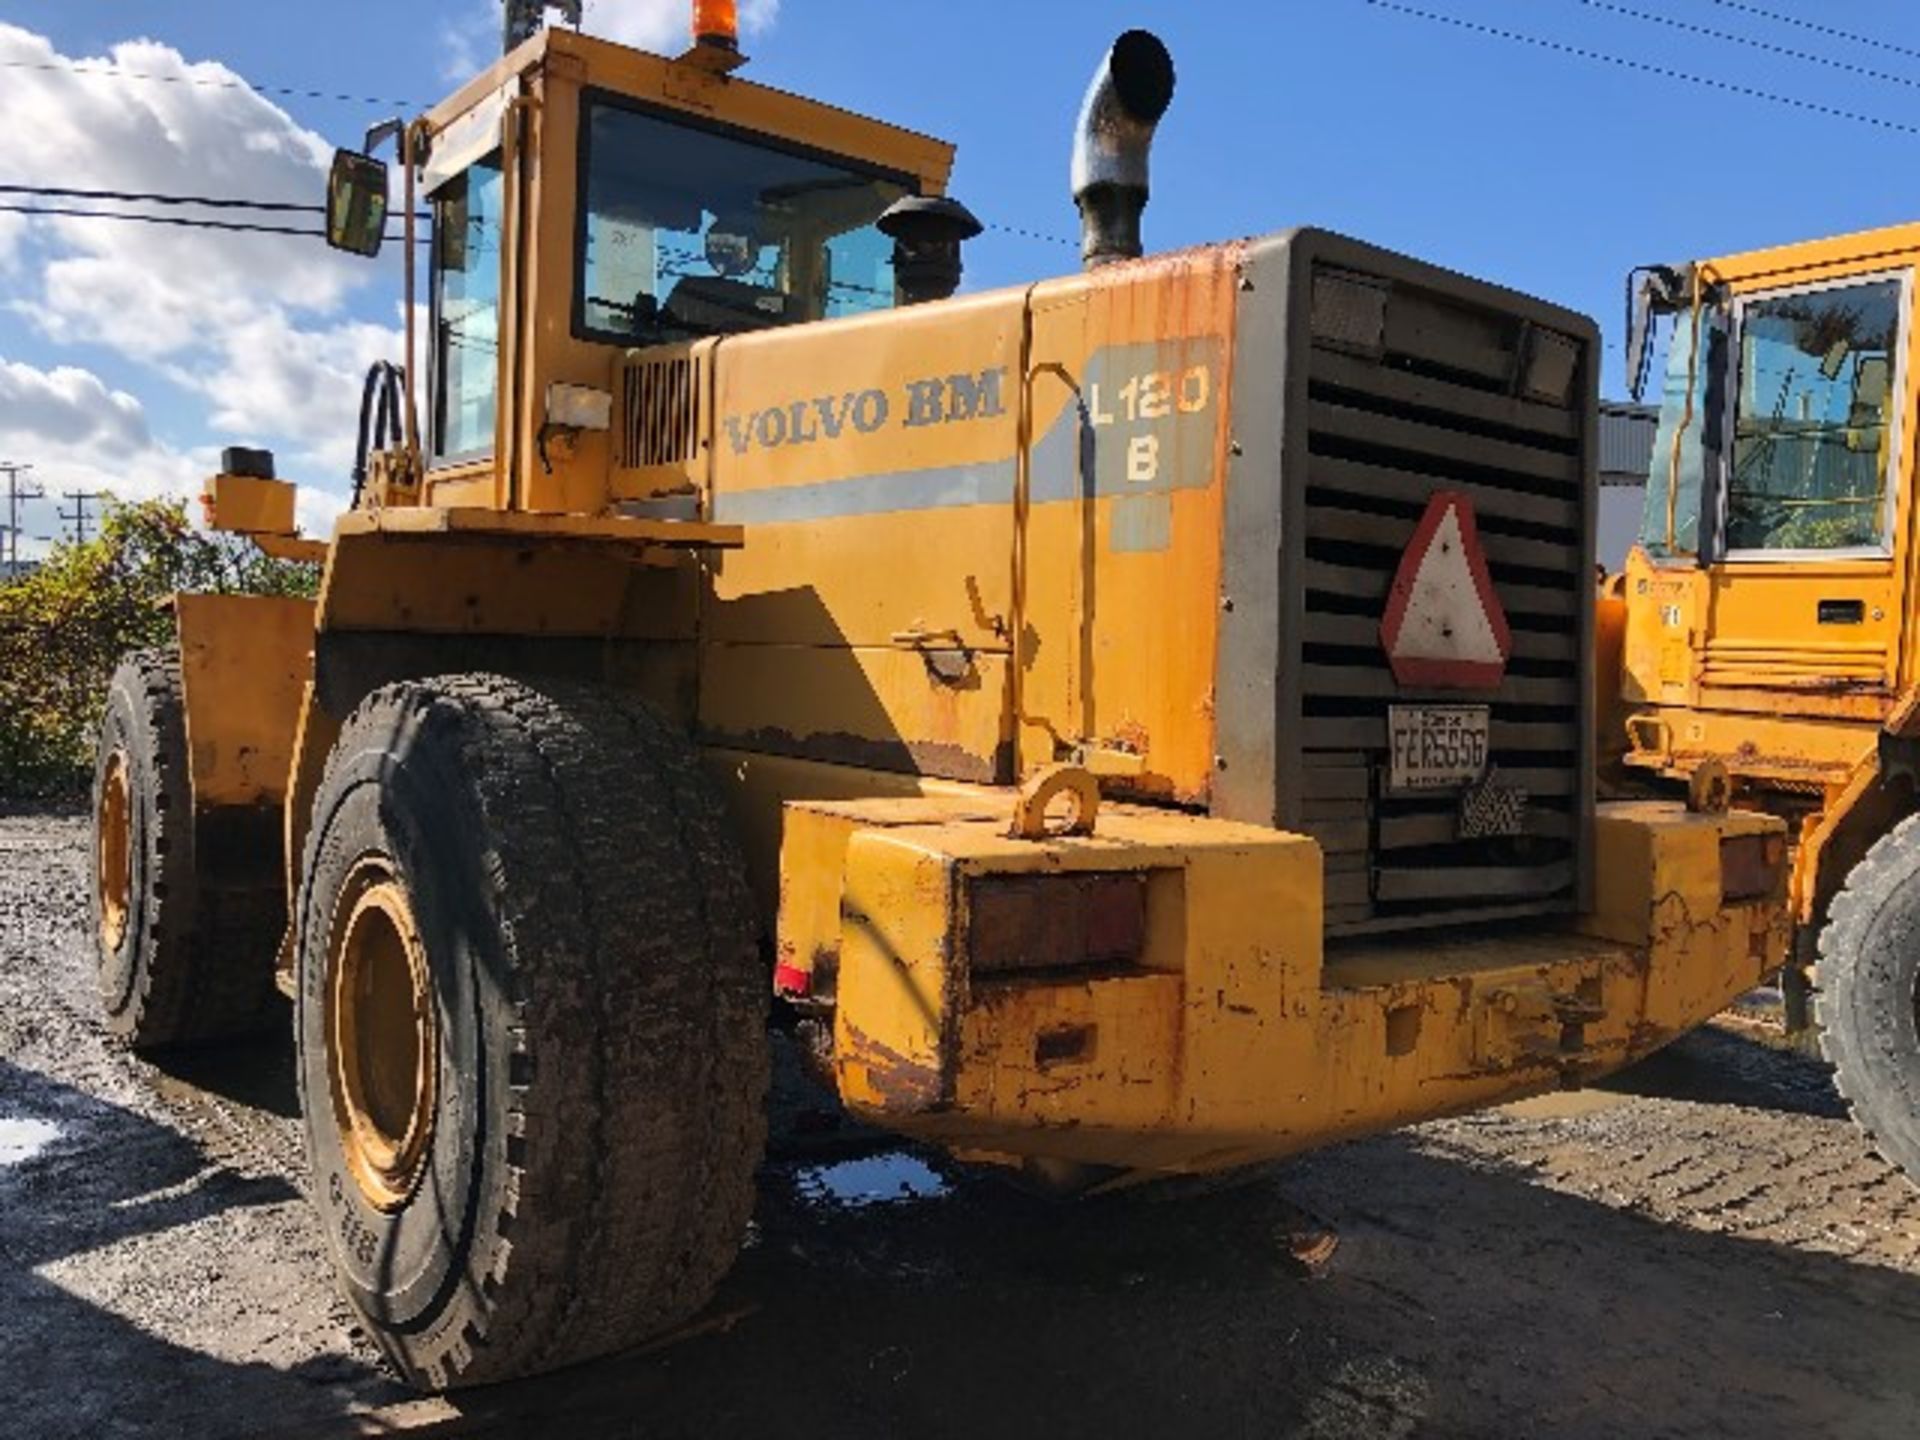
(871, 1180)
(23, 1140)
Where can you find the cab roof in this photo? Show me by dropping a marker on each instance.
(711, 98)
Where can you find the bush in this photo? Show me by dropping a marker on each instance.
(65, 626)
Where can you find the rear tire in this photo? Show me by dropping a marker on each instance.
(180, 957)
(1867, 1006)
(594, 1056)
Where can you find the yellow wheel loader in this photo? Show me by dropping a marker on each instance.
(1136, 723)
(1763, 616)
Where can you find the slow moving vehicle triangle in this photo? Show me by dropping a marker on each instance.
(1444, 626)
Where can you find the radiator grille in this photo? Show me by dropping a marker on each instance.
(1431, 394)
(660, 412)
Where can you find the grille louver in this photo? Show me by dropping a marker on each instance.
(660, 412)
(1427, 395)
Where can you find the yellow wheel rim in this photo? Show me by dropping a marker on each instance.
(382, 1040)
(113, 850)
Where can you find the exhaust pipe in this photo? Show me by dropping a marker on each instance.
(1130, 92)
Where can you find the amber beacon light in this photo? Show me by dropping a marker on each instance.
(717, 22)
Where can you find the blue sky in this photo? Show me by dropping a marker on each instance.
(127, 361)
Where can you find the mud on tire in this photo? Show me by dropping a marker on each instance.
(182, 954)
(600, 1062)
(1868, 1001)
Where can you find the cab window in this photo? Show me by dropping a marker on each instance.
(1814, 420)
(466, 310)
(689, 231)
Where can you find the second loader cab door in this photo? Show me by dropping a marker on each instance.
(1805, 538)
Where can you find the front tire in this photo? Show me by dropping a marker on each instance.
(531, 1026)
(1868, 1001)
(181, 955)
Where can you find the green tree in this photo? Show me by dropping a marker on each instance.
(64, 626)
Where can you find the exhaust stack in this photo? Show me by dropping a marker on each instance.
(1130, 92)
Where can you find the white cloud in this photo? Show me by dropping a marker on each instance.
(663, 26)
(81, 435)
(71, 407)
(86, 437)
(12, 229)
(471, 42)
(255, 324)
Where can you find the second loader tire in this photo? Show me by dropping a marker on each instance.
(181, 957)
(1868, 1001)
(531, 1025)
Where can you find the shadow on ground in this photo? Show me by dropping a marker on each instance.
(255, 1071)
(1464, 1301)
(78, 1176)
(1718, 1065)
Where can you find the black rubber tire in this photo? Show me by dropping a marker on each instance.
(195, 962)
(601, 1004)
(1869, 990)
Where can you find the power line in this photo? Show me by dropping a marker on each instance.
(187, 222)
(1849, 36)
(210, 202)
(1707, 32)
(114, 72)
(150, 197)
(1029, 234)
(265, 206)
(184, 221)
(1644, 67)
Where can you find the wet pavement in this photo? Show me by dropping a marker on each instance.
(1706, 1248)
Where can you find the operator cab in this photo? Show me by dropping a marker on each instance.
(1768, 586)
(1777, 419)
(671, 202)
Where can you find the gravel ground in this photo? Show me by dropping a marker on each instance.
(1706, 1249)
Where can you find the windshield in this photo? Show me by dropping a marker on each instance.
(1674, 529)
(1813, 425)
(688, 232)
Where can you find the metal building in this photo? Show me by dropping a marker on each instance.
(1626, 450)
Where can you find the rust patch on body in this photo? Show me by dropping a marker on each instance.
(902, 1086)
(940, 759)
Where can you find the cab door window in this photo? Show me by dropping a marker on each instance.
(466, 310)
(1677, 479)
(1814, 422)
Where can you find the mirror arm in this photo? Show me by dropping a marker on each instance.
(378, 135)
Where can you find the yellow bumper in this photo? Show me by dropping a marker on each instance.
(1156, 995)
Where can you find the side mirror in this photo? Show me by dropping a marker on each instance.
(1652, 290)
(356, 203)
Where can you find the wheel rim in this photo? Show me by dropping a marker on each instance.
(382, 1040)
(113, 850)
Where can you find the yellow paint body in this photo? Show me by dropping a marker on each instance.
(1236, 1036)
(922, 556)
(1730, 661)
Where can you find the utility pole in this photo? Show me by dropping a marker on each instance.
(19, 491)
(81, 499)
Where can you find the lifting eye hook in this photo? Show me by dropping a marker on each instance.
(1045, 786)
(1710, 789)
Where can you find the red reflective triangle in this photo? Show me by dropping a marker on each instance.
(1444, 624)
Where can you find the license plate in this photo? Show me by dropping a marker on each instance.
(1436, 747)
